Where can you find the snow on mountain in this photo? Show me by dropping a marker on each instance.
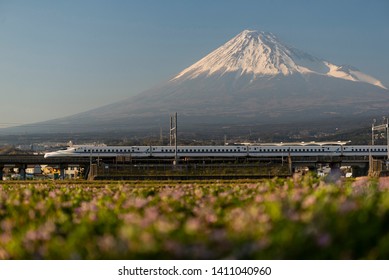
(350, 73)
(262, 54)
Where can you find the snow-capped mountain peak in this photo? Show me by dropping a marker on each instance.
(260, 54)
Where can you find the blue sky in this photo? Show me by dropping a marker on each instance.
(58, 58)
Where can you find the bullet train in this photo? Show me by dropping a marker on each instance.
(239, 150)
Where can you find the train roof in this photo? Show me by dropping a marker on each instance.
(311, 143)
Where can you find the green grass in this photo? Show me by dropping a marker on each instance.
(300, 218)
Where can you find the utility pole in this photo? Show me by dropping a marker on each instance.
(173, 135)
(387, 139)
(160, 136)
(381, 127)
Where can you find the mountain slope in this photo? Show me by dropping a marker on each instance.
(253, 78)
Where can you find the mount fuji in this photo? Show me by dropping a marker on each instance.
(253, 78)
(261, 54)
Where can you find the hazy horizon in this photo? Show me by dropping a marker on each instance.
(63, 58)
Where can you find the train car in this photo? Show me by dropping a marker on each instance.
(151, 151)
(219, 151)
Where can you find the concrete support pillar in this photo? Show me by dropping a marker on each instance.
(22, 172)
(92, 171)
(290, 164)
(62, 171)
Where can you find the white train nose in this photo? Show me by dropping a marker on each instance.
(48, 155)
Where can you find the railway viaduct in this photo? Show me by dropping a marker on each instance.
(312, 162)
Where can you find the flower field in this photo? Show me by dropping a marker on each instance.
(300, 218)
